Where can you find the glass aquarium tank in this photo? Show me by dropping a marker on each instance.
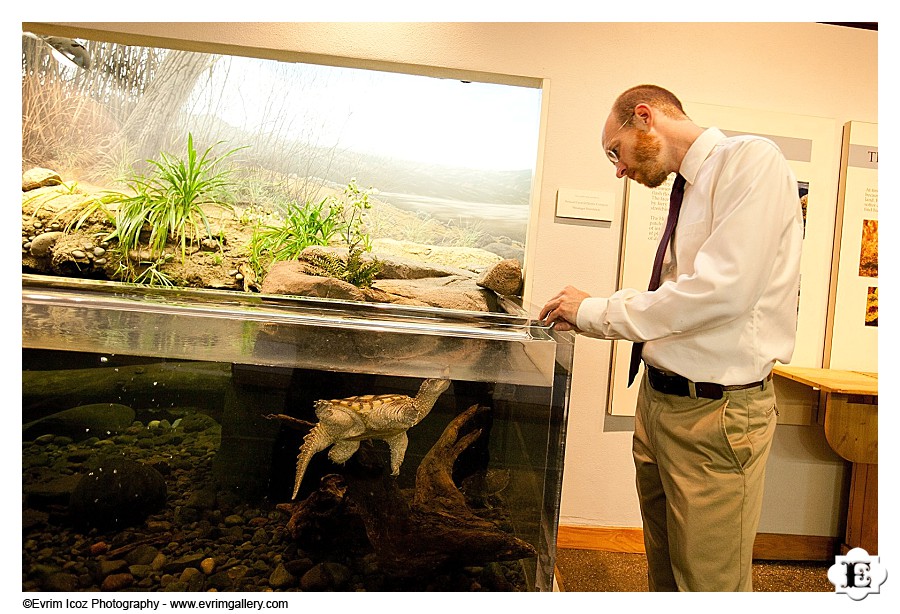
(180, 439)
(272, 327)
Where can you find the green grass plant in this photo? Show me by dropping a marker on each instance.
(331, 221)
(172, 200)
(147, 272)
(301, 226)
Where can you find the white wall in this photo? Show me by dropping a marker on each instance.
(802, 68)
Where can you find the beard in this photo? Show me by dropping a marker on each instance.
(649, 171)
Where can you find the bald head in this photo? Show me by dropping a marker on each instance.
(659, 98)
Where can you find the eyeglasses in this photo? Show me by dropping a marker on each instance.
(611, 152)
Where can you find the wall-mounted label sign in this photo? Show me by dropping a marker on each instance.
(585, 204)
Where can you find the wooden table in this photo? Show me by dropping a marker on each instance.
(848, 409)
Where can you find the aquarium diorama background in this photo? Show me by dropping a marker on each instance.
(170, 167)
(147, 474)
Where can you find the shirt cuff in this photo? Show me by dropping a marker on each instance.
(591, 316)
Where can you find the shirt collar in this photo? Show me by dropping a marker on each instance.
(698, 152)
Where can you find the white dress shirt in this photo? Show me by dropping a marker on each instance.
(726, 308)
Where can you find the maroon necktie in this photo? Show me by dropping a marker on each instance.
(675, 198)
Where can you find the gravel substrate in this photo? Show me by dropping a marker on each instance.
(188, 537)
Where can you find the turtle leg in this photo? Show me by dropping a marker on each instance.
(397, 444)
(341, 451)
(315, 441)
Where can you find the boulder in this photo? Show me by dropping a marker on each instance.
(96, 420)
(506, 250)
(469, 258)
(39, 178)
(505, 278)
(451, 292)
(117, 493)
(44, 242)
(290, 277)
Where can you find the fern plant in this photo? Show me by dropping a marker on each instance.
(353, 269)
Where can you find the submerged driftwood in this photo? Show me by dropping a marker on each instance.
(433, 529)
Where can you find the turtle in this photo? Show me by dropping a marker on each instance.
(343, 423)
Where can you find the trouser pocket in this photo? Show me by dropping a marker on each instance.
(747, 420)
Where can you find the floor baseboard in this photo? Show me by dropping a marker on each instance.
(767, 547)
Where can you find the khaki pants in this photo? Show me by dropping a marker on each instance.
(700, 470)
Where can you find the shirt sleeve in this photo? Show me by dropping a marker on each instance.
(730, 269)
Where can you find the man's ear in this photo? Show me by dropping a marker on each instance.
(644, 117)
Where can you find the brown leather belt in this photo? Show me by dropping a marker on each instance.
(671, 383)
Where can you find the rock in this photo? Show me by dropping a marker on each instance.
(325, 576)
(117, 582)
(299, 566)
(229, 579)
(180, 564)
(39, 178)
(43, 243)
(33, 519)
(470, 258)
(195, 423)
(459, 299)
(401, 268)
(204, 499)
(186, 515)
(192, 578)
(51, 491)
(450, 292)
(207, 565)
(109, 567)
(493, 578)
(505, 278)
(505, 251)
(117, 493)
(142, 555)
(99, 548)
(61, 582)
(393, 266)
(98, 419)
(158, 526)
(260, 537)
(290, 277)
(281, 578)
(159, 561)
(140, 571)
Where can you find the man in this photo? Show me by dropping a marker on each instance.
(724, 312)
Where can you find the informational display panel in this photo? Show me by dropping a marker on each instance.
(810, 147)
(852, 340)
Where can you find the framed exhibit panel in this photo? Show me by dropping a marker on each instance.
(809, 145)
(852, 336)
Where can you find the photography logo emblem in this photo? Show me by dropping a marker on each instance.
(857, 574)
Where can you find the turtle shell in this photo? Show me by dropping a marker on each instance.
(369, 402)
